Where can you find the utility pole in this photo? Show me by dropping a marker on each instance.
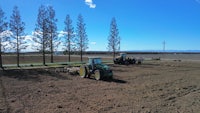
(163, 55)
(164, 46)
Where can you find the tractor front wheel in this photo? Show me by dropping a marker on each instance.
(82, 71)
(97, 75)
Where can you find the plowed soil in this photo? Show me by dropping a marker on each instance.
(154, 86)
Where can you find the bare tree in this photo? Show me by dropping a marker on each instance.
(41, 31)
(113, 38)
(69, 30)
(17, 28)
(52, 30)
(3, 38)
(81, 40)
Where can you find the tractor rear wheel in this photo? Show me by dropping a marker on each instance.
(97, 75)
(126, 62)
(83, 71)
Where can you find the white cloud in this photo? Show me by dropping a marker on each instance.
(28, 38)
(32, 45)
(63, 33)
(36, 33)
(90, 3)
(6, 43)
(72, 43)
(6, 33)
(93, 43)
(29, 48)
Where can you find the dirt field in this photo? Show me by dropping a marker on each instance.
(11, 59)
(154, 86)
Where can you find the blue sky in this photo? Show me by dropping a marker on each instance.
(142, 24)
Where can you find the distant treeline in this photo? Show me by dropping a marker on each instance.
(107, 52)
(140, 52)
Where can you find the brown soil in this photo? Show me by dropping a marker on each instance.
(23, 59)
(154, 86)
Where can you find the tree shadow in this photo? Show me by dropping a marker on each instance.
(51, 72)
(21, 75)
(31, 74)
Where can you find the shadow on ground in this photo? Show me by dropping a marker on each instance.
(31, 74)
(115, 80)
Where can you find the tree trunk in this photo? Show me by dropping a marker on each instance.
(69, 55)
(69, 49)
(17, 58)
(17, 51)
(51, 49)
(81, 55)
(43, 55)
(51, 57)
(1, 66)
(43, 50)
(1, 60)
(113, 54)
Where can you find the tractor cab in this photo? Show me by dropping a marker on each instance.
(120, 59)
(94, 60)
(123, 56)
(123, 59)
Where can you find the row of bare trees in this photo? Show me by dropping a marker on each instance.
(16, 39)
(3, 27)
(45, 31)
(45, 34)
